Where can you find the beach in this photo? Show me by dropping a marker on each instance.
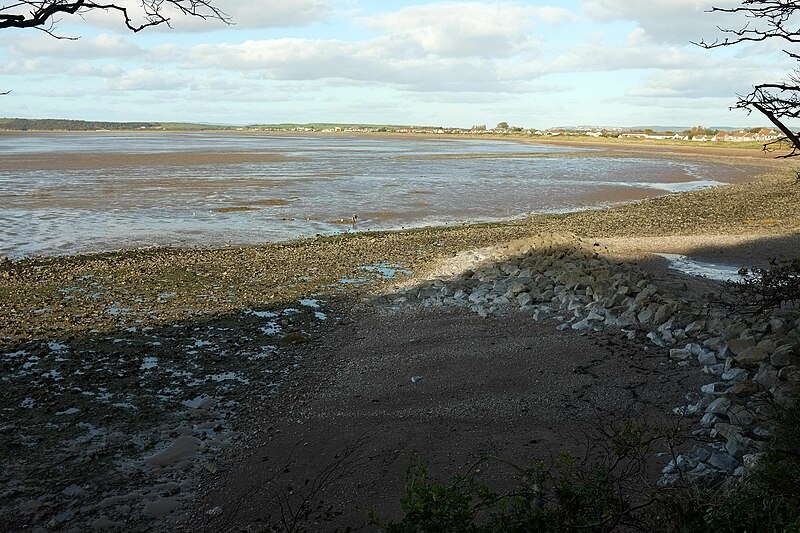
(155, 388)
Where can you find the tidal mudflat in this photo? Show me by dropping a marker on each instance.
(168, 189)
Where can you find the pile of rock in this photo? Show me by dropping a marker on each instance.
(753, 359)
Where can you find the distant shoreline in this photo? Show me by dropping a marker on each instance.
(744, 149)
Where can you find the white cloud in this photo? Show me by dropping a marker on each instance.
(244, 14)
(39, 45)
(144, 79)
(675, 21)
(468, 29)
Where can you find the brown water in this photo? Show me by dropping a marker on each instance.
(71, 193)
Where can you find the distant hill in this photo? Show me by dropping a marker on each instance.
(52, 124)
(58, 124)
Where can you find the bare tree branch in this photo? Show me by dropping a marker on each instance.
(42, 14)
(768, 19)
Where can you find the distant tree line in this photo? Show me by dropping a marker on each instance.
(49, 124)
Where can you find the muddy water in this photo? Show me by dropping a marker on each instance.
(71, 193)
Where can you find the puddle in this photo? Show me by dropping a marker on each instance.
(148, 363)
(387, 270)
(703, 269)
(313, 304)
(264, 314)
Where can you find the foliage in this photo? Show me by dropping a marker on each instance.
(598, 492)
(770, 288)
(765, 500)
(605, 492)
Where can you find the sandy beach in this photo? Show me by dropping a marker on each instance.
(175, 388)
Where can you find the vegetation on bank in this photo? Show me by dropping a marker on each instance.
(603, 490)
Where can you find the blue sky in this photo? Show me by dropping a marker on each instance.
(541, 64)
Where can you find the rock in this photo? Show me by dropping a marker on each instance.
(750, 461)
(741, 416)
(646, 315)
(707, 358)
(790, 374)
(679, 354)
(700, 453)
(738, 446)
(717, 344)
(784, 356)
(782, 395)
(656, 340)
(751, 357)
(662, 314)
(745, 389)
(645, 294)
(766, 377)
(719, 406)
(735, 374)
(695, 327)
(723, 461)
(739, 344)
(714, 370)
(524, 299)
(768, 345)
(715, 389)
(703, 475)
(777, 326)
(515, 288)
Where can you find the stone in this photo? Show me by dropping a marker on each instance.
(738, 345)
(694, 348)
(645, 294)
(778, 326)
(738, 445)
(751, 357)
(723, 461)
(766, 377)
(735, 374)
(515, 288)
(695, 327)
(700, 453)
(703, 475)
(750, 461)
(715, 389)
(524, 299)
(741, 416)
(719, 406)
(656, 340)
(790, 374)
(662, 314)
(745, 389)
(707, 358)
(768, 345)
(679, 354)
(716, 344)
(784, 356)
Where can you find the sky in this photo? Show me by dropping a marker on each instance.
(534, 64)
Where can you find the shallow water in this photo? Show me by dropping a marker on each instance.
(69, 193)
(704, 269)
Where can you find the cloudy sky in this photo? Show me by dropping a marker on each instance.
(536, 63)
